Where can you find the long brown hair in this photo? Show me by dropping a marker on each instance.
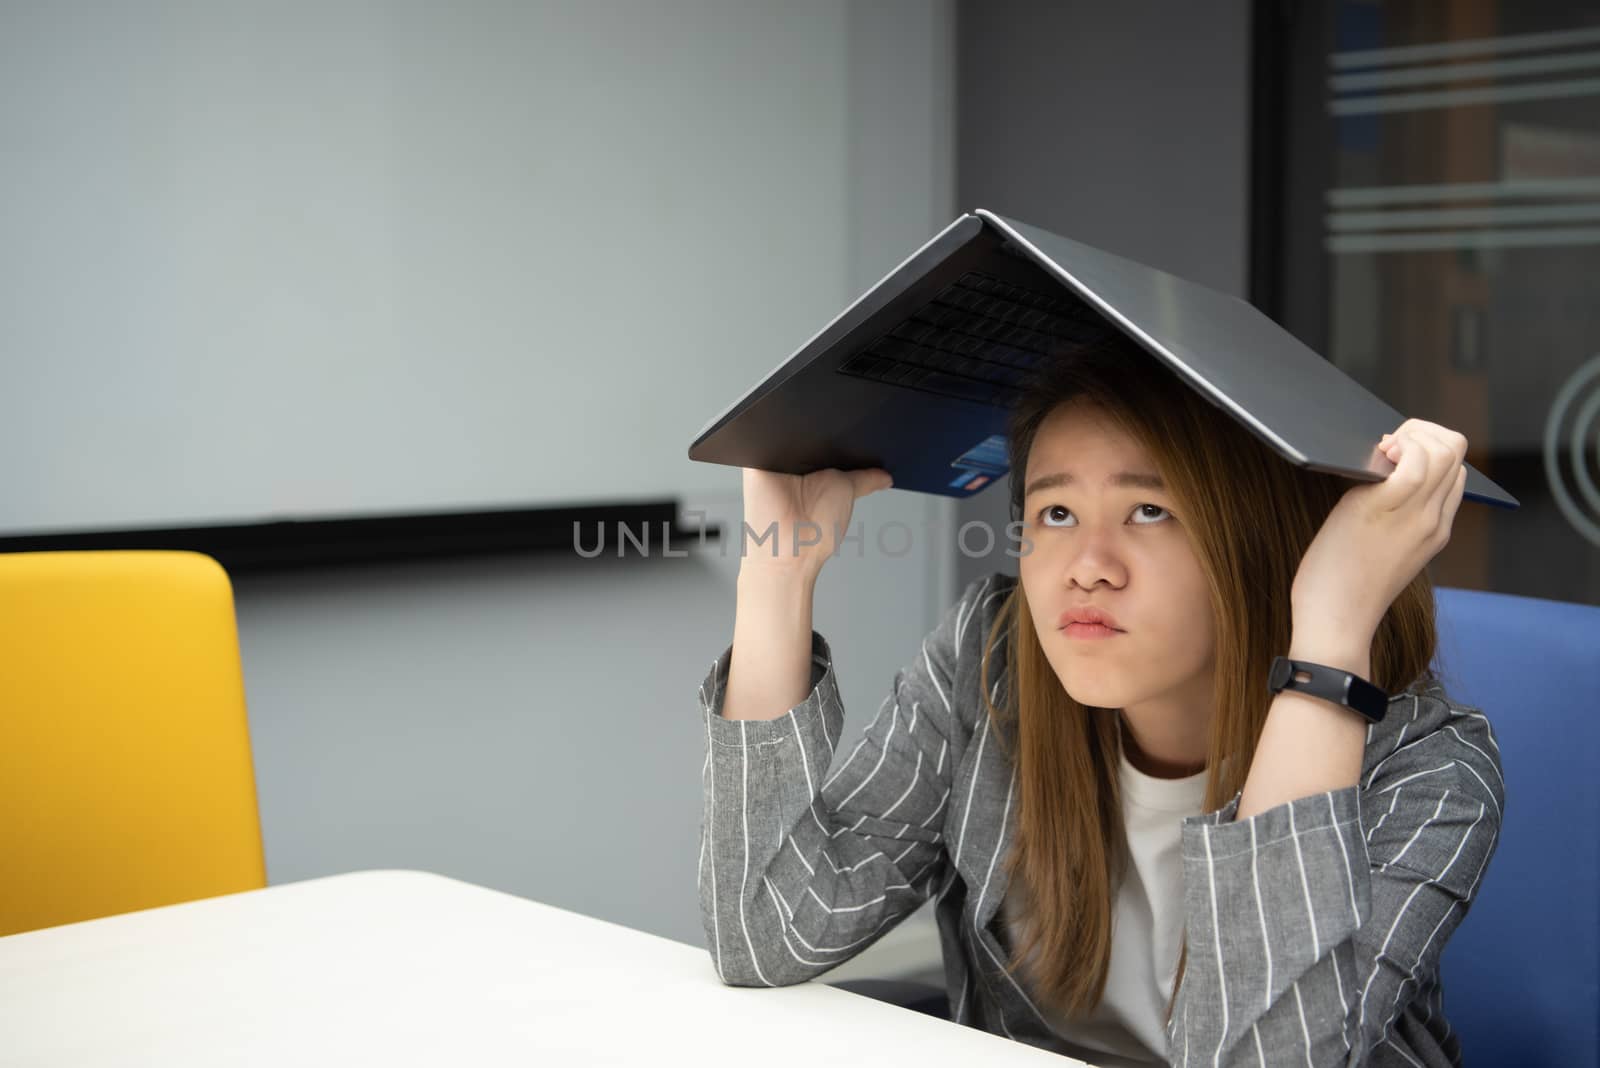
(1249, 516)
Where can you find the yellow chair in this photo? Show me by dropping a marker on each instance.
(125, 773)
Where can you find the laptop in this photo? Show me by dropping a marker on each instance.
(918, 375)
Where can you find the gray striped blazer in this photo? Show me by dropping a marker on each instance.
(1314, 927)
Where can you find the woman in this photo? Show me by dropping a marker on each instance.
(1139, 855)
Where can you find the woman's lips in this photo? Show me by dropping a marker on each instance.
(1087, 615)
(1090, 631)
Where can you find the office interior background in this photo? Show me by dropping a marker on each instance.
(268, 262)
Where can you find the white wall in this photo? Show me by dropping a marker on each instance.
(288, 260)
(530, 723)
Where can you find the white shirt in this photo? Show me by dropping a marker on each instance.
(1127, 1027)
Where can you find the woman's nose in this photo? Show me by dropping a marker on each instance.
(1093, 560)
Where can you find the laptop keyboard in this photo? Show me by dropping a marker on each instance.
(980, 339)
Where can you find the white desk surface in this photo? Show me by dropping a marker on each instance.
(413, 968)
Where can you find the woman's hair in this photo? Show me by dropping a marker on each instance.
(1249, 516)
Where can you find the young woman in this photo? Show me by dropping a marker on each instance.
(1139, 854)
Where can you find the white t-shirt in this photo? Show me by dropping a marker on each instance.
(1126, 1028)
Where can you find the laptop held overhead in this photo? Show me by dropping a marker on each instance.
(918, 375)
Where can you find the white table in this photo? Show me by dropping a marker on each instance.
(407, 967)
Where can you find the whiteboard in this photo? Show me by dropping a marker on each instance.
(267, 260)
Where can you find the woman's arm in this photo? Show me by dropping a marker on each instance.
(772, 636)
(1313, 923)
(1373, 543)
(800, 868)
(1308, 745)
(1304, 927)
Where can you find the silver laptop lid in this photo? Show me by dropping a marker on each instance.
(1235, 356)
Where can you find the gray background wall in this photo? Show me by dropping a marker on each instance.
(1125, 126)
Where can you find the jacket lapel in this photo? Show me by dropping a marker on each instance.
(987, 787)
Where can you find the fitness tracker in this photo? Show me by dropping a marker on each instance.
(1332, 684)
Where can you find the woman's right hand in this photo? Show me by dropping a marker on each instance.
(788, 505)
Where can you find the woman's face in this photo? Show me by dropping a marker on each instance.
(1107, 539)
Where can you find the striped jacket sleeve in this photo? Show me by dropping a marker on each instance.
(800, 868)
(1312, 924)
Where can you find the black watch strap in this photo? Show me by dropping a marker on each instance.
(1333, 684)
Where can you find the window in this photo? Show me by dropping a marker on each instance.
(1426, 214)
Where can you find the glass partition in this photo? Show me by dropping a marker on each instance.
(1427, 216)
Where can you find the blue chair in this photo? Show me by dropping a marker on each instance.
(1521, 976)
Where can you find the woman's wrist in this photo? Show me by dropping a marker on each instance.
(1324, 636)
(777, 576)
(770, 668)
(1335, 653)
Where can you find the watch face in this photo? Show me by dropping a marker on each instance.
(1367, 699)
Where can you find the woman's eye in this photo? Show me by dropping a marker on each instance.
(1053, 509)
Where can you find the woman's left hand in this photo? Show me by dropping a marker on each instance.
(1378, 537)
